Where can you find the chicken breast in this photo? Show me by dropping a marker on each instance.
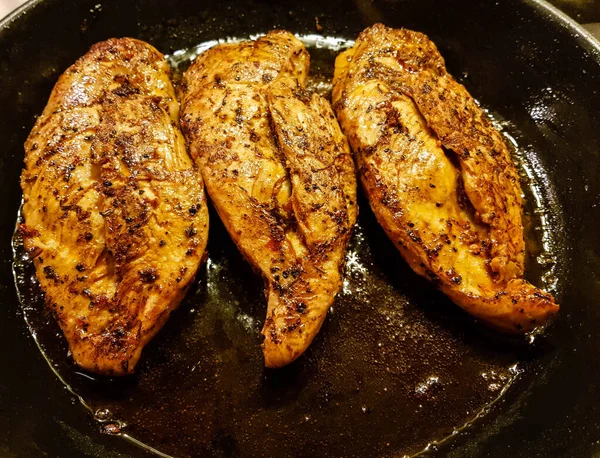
(114, 209)
(438, 175)
(280, 174)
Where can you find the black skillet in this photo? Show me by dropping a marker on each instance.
(360, 390)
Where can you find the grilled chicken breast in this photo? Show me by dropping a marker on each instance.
(114, 210)
(280, 174)
(438, 175)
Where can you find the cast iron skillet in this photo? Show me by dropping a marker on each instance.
(532, 65)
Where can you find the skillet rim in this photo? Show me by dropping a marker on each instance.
(579, 35)
(551, 13)
(555, 15)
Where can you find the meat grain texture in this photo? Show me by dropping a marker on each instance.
(280, 174)
(114, 210)
(438, 175)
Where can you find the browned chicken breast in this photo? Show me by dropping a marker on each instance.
(280, 174)
(115, 212)
(438, 175)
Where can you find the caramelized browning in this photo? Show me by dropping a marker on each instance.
(115, 212)
(280, 174)
(438, 175)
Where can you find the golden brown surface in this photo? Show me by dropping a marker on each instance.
(280, 174)
(115, 211)
(438, 175)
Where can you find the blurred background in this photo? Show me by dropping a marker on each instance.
(583, 11)
(6, 6)
(586, 12)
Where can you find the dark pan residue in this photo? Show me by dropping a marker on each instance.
(395, 370)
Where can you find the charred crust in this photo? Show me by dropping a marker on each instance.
(27, 231)
(190, 231)
(301, 308)
(125, 88)
(149, 275)
(49, 273)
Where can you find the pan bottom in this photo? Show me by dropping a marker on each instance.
(396, 369)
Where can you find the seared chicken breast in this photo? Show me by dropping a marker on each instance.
(438, 175)
(280, 174)
(114, 210)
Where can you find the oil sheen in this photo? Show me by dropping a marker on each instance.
(397, 369)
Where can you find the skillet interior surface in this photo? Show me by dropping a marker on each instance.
(538, 77)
